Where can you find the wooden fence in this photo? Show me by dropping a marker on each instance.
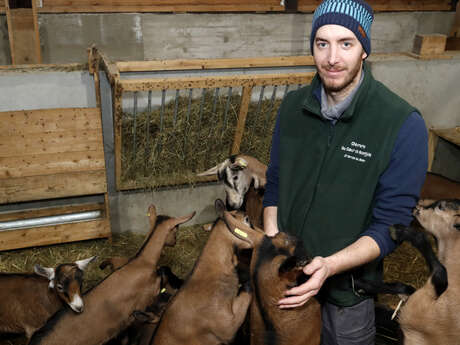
(92, 6)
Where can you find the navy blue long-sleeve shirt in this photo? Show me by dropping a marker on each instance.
(398, 188)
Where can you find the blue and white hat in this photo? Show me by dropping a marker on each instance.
(355, 15)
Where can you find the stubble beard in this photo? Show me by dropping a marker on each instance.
(349, 79)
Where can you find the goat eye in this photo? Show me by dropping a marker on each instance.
(235, 177)
(59, 287)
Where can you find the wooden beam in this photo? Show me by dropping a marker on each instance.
(181, 6)
(389, 5)
(216, 81)
(23, 34)
(244, 107)
(203, 64)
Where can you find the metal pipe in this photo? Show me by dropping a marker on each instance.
(50, 220)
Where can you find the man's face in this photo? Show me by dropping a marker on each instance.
(338, 57)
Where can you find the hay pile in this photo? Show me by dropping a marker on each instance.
(170, 150)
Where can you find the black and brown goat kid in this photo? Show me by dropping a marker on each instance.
(276, 266)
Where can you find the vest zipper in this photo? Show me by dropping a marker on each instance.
(331, 134)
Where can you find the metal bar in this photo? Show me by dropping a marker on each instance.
(176, 106)
(147, 133)
(50, 220)
(134, 124)
(259, 104)
(189, 107)
(272, 102)
(227, 105)
(203, 94)
(162, 112)
(214, 102)
(285, 91)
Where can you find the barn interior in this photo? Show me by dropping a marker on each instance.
(150, 94)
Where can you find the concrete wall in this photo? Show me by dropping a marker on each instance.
(134, 36)
(431, 86)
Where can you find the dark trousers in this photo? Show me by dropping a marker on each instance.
(353, 325)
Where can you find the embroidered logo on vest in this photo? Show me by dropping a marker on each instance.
(356, 152)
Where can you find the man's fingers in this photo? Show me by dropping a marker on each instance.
(296, 301)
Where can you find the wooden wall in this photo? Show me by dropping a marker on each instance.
(72, 6)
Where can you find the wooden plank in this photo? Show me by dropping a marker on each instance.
(50, 211)
(450, 134)
(245, 100)
(50, 164)
(50, 142)
(25, 122)
(194, 64)
(216, 81)
(52, 186)
(389, 5)
(47, 235)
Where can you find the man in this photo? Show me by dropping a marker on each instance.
(348, 160)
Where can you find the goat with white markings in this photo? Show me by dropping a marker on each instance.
(244, 182)
(112, 303)
(29, 300)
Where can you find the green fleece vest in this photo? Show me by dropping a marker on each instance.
(328, 173)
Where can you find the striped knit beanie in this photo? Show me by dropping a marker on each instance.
(355, 15)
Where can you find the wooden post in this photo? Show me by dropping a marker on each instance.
(117, 94)
(244, 107)
(23, 34)
(432, 144)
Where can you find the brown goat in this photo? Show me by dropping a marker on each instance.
(130, 288)
(145, 322)
(427, 319)
(29, 300)
(244, 182)
(210, 306)
(276, 266)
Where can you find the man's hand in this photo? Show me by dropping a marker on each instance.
(319, 271)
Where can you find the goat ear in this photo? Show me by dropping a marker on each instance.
(219, 206)
(82, 264)
(152, 214)
(242, 231)
(177, 221)
(47, 272)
